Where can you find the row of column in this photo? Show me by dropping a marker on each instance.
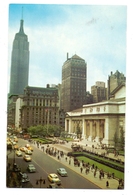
(91, 129)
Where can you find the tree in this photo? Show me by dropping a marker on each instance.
(32, 130)
(79, 132)
(46, 130)
(119, 142)
(115, 140)
(122, 139)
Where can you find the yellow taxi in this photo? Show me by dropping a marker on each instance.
(53, 178)
(29, 147)
(27, 158)
(15, 147)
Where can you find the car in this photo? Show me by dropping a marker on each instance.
(53, 178)
(14, 143)
(27, 158)
(31, 168)
(53, 185)
(15, 147)
(28, 152)
(27, 145)
(16, 168)
(15, 139)
(18, 153)
(23, 149)
(30, 148)
(62, 172)
(23, 177)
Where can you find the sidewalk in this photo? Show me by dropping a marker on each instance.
(101, 183)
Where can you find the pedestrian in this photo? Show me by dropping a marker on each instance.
(87, 170)
(113, 175)
(103, 174)
(66, 159)
(81, 169)
(107, 184)
(100, 176)
(69, 161)
(94, 173)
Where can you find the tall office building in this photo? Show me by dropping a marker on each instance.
(19, 62)
(115, 80)
(73, 91)
(99, 92)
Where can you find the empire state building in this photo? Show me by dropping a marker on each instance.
(19, 62)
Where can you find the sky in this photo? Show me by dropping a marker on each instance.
(96, 33)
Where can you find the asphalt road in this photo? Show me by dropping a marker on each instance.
(45, 164)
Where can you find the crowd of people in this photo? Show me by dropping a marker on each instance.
(83, 167)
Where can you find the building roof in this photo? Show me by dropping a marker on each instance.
(118, 88)
(76, 57)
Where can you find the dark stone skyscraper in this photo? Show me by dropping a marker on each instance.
(73, 91)
(19, 62)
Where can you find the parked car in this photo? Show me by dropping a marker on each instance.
(53, 178)
(27, 158)
(9, 145)
(31, 168)
(23, 177)
(18, 153)
(16, 168)
(62, 172)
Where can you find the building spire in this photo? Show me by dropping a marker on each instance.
(21, 30)
(22, 14)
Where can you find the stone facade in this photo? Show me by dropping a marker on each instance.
(39, 106)
(99, 121)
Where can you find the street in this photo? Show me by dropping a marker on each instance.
(46, 164)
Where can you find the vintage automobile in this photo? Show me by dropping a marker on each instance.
(62, 172)
(16, 168)
(27, 158)
(18, 153)
(31, 168)
(23, 177)
(53, 178)
(23, 149)
(53, 185)
(28, 152)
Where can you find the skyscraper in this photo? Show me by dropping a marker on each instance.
(19, 62)
(73, 90)
(114, 80)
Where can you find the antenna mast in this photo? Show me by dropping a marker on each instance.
(22, 13)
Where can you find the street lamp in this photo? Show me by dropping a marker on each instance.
(40, 181)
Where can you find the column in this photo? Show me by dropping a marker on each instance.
(66, 124)
(97, 131)
(70, 126)
(106, 131)
(83, 129)
(90, 136)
